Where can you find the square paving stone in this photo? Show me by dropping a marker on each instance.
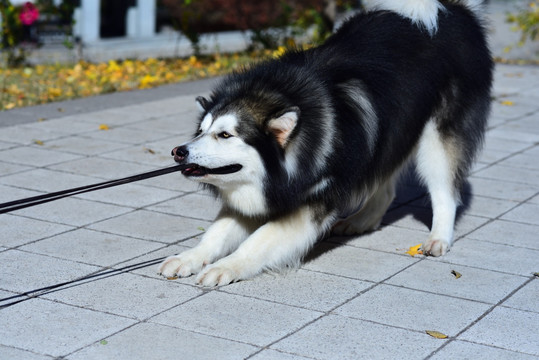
(125, 294)
(474, 284)
(196, 206)
(301, 288)
(17, 230)
(463, 350)
(92, 247)
(509, 233)
(525, 213)
(237, 318)
(153, 341)
(414, 310)
(23, 271)
(35, 156)
(361, 264)
(525, 298)
(492, 256)
(54, 329)
(151, 225)
(339, 337)
(507, 329)
(72, 211)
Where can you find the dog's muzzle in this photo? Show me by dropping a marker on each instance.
(180, 154)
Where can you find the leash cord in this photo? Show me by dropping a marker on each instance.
(41, 199)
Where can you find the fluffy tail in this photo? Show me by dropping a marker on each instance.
(423, 13)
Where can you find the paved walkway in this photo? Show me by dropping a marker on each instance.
(353, 298)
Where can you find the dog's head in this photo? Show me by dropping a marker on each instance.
(235, 146)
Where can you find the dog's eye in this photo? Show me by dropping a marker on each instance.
(224, 135)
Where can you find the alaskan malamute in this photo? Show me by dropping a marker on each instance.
(314, 141)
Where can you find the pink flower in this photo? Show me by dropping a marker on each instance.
(29, 14)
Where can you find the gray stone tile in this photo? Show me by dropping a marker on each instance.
(508, 133)
(9, 168)
(134, 296)
(415, 310)
(12, 353)
(504, 145)
(103, 168)
(237, 318)
(519, 330)
(468, 351)
(524, 160)
(35, 156)
(356, 263)
(269, 354)
(66, 125)
(22, 271)
(17, 230)
(492, 256)
(525, 298)
(132, 195)
(173, 125)
(388, 239)
(111, 117)
(9, 193)
(55, 329)
(339, 337)
(502, 189)
(27, 135)
(174, 181)
(71, 211)
(154, 153)
(80, 145)
(509, 233)
(125, 135)
(140, 342)
(92, 247)
(301, 288)
(196, 206)
(488, 207)
(474, 284)
(46, 180)
(525, 213)
(420, 218)
(151, 225)
(510, 174)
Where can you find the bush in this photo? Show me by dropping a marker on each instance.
(272, 22)
(527, 22)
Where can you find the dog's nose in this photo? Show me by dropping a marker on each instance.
(179, 153)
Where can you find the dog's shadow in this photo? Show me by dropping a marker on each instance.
(412, 200)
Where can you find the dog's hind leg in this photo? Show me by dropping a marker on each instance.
(369, 217)
(436, 165)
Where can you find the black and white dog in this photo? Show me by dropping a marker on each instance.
(314, 141)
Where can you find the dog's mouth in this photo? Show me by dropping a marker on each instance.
(197, 170)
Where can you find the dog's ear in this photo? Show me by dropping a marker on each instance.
(283, 125)
(202, 103)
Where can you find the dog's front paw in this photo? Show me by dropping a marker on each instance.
(435, 247)
(219, 274)
(183, 265)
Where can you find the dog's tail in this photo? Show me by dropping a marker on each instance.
(423, 13)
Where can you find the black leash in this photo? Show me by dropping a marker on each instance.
(18, 298)
(41, 199)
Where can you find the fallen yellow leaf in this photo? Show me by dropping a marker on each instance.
(9, 106)
(415, 250)
(436, 334)
(507, 103)
(104, 127)
(456, 273)
(39, 142)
